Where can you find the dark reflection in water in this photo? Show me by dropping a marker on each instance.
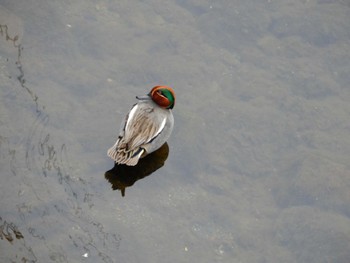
(122, 176)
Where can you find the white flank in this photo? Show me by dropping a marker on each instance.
(160, 128)
(131, 116)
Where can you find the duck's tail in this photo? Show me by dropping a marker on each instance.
(121, 155)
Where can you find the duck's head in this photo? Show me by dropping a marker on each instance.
(164, 96)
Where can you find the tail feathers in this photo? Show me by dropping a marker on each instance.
(122, 156)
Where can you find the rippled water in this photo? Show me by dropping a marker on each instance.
(256, 170)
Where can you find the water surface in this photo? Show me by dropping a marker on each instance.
(257, 168)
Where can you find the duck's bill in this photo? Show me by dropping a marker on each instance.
(146, 97)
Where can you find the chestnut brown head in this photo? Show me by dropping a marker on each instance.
(164, 96)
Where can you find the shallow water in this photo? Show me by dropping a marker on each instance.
(257, 168)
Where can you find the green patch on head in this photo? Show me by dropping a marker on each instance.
(169, 95)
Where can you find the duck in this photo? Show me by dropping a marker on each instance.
(146, 127)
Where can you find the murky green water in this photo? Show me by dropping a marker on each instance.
(256, 170)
